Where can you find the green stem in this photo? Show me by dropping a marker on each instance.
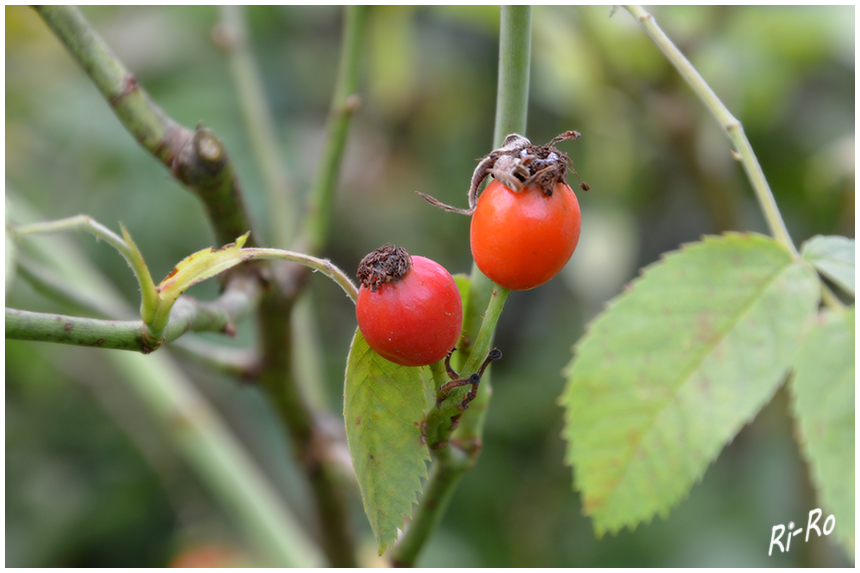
(344, 103)
(444, 477)
(733, 127)
(259, 122)
(323, 266)
(452, 462)
(511, 117)
(515, 39)
(197, 158)
(469, 434)
(125, 246)
(438, 426)
(186, 315)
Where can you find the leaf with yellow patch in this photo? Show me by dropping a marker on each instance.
(200, 266)
(675, 367)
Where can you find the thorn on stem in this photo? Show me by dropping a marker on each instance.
(474, 380)
(129, 85)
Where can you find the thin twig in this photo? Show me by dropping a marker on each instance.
(344, 104)
(323, 266)
(733, 127)
(125, 246)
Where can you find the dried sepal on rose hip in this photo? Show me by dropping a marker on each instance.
(408, 309)
(526, 223)
(518, 164)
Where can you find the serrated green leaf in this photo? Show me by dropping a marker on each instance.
(672, 370)
(823, 392)
(384, 409)
(833, 256)
(199, 266)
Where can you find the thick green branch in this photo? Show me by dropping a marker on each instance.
(187, 314)
(310, 448)
(733, 127)
(197, 158)
(515, 39)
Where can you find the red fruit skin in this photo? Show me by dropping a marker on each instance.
(522, 240)
(415, 321)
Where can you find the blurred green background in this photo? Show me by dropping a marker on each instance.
(91, 482)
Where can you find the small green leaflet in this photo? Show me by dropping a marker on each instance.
(833, 256)
(675, 366)
(384, 409)
(199, 266)
(823, 392)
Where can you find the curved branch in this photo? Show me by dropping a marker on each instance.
(323, 266)
(197, 158)
(733, 127)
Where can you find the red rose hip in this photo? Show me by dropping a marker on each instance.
(521, 239)
(408, 309)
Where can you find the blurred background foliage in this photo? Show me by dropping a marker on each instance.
(90, 481)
